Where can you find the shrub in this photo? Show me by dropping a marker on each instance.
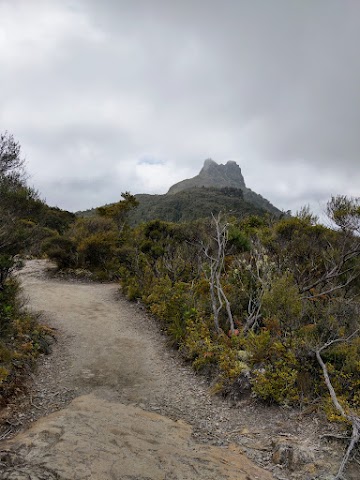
(61, 250)
(22, 338)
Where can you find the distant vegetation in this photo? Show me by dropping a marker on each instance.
(193, 204)
(189, 205)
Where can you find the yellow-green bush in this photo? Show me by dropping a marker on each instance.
(276, 382)
(170, 302)
(277, 271)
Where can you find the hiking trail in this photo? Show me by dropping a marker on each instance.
(122, 395)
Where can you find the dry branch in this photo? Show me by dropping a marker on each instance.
(353, 419)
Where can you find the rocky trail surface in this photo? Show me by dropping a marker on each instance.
(113, 402)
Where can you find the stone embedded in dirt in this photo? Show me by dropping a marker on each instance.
(49, 339)
(290, 454)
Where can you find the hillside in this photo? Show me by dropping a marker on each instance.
(193, 203)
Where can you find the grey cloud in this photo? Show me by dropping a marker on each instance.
(272, 85)
(82, 192)
(150, 160)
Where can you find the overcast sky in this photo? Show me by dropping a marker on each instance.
(107, 96)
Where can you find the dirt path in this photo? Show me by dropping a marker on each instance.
(113, 401)
(116, 372)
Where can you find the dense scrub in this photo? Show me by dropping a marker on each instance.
(256, 318)
(25, 221)
(94, 243)
(22, 338)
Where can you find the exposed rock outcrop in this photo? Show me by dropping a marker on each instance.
(213, 175)
(97, 439)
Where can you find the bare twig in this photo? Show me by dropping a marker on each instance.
(216, 262)
(351, 418)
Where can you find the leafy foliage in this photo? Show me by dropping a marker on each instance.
(24, 223)
(22, 338)
(94, 243)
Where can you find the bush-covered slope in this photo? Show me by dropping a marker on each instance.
(193, 204)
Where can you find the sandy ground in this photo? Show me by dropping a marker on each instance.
(114, 401)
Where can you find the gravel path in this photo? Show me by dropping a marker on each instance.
(113, 389)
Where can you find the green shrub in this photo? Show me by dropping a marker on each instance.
(61, 250)
(22, 338)
(170, 302)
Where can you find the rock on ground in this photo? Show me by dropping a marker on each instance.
(100, 440)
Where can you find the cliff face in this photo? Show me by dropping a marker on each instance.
(213, 175)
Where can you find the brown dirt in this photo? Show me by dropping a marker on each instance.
(114, 401)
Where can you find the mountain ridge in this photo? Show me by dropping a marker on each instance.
(214, 175)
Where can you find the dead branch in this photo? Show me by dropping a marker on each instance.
(216, 263)
(353, 419)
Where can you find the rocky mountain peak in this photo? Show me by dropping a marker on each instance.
(213, 175)
(209, 162)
